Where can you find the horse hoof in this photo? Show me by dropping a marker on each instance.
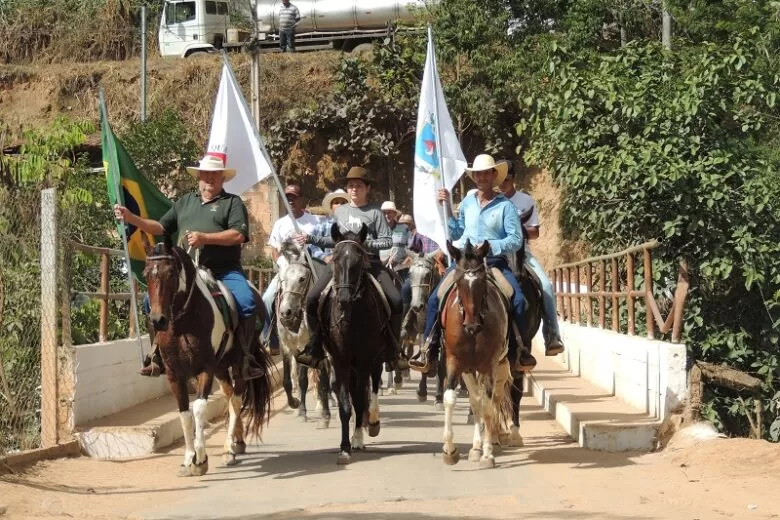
(229, 459)
(438, 406)
(344, 458)
(184, 471)
(238, 447)
(421, 398)
(487, 463)
(293, 403)
(392, 391)
(323, 424)
(450, 459)
(373, 429)
(198, 470)
(515, 441)
(475, 455)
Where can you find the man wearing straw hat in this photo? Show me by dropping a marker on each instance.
(484, 215)
(214, 224)
(331, 202)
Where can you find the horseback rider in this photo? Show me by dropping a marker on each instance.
(526, 205)
(483, 215)
(332, 200)
(216, 223)
(359, 211)
(281, 230)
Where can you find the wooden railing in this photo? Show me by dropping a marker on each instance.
(260, 277)
(567, 281)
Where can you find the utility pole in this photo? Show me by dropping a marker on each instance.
(143, 63)
(666, 33)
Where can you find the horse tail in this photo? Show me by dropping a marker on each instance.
(256, 404)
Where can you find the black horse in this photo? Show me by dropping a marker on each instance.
(353, 316)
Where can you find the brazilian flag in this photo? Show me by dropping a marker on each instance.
(136, 193)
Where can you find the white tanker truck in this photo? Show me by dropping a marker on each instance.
(192, 26)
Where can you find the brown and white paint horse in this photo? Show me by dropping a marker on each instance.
(189, 333)
(475, 320)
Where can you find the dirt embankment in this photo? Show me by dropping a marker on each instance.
(33, 96)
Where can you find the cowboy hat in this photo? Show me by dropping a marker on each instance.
(358, 173)
(406, 219)
(333, 195)
(212, 163)
(389, 205)
(486, 162)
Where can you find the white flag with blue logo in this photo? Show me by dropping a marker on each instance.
(438, 160)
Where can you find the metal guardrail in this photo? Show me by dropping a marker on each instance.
(567, 279)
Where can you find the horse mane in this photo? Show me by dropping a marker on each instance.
(291, 249)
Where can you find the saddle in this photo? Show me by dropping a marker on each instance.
(495, 276)
(328, 288)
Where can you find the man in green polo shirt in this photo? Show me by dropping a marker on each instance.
(214, 224)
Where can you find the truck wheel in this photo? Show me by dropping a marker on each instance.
(363, 49)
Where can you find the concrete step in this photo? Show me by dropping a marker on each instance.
(592, 416)
(148, 427)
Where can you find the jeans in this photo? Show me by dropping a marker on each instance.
(269, 295)
(550, 330)
(287, 39)
(406, 291)
(238, 285)
(518, 300)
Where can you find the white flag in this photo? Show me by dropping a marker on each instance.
(234, 139)
(438, 160)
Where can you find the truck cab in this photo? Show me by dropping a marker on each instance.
(191, 26)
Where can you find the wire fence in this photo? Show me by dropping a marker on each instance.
(20, 320)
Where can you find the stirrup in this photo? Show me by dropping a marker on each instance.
(151, 370)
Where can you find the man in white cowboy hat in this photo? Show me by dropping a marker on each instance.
(216, 223)
(484, 215)
(394, 257)
(282, 230)
(529, 218)
(332, 200)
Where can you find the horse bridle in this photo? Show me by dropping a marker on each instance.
(352, 288)
(474, 270)
(428, 277)
(179, 264)
(296, 293)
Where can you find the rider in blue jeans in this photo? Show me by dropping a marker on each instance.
(483, 215)
(529, 217)
(214, 223)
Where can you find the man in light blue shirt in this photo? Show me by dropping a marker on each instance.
(484, 215)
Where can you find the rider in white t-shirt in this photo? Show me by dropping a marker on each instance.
(284, 228)
(529, 217)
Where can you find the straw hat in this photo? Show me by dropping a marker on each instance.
(486, 162)
(389, 205)
(406, 219)
(212, 163)
(330, 197)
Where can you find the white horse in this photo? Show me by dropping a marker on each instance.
(295, 280)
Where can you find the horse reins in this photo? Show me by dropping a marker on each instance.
(192, 285)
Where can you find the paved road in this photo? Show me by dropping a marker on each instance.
(293, 474)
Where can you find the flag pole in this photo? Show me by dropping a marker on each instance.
(267, 157)
(438, 135)
(117, 194)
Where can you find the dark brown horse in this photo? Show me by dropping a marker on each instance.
(190, 332)
(353, 317)
(475, 317)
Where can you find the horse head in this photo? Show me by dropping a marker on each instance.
(166, 274)
(423, 277)
(294, 281)
(349, 259)
(471, 283)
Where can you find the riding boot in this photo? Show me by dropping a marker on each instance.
(313, 355)
(409, 324)
(395, 358)
(245, 335)
(153, 365)
(430, 352)
(519, 356)
(554, 347)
